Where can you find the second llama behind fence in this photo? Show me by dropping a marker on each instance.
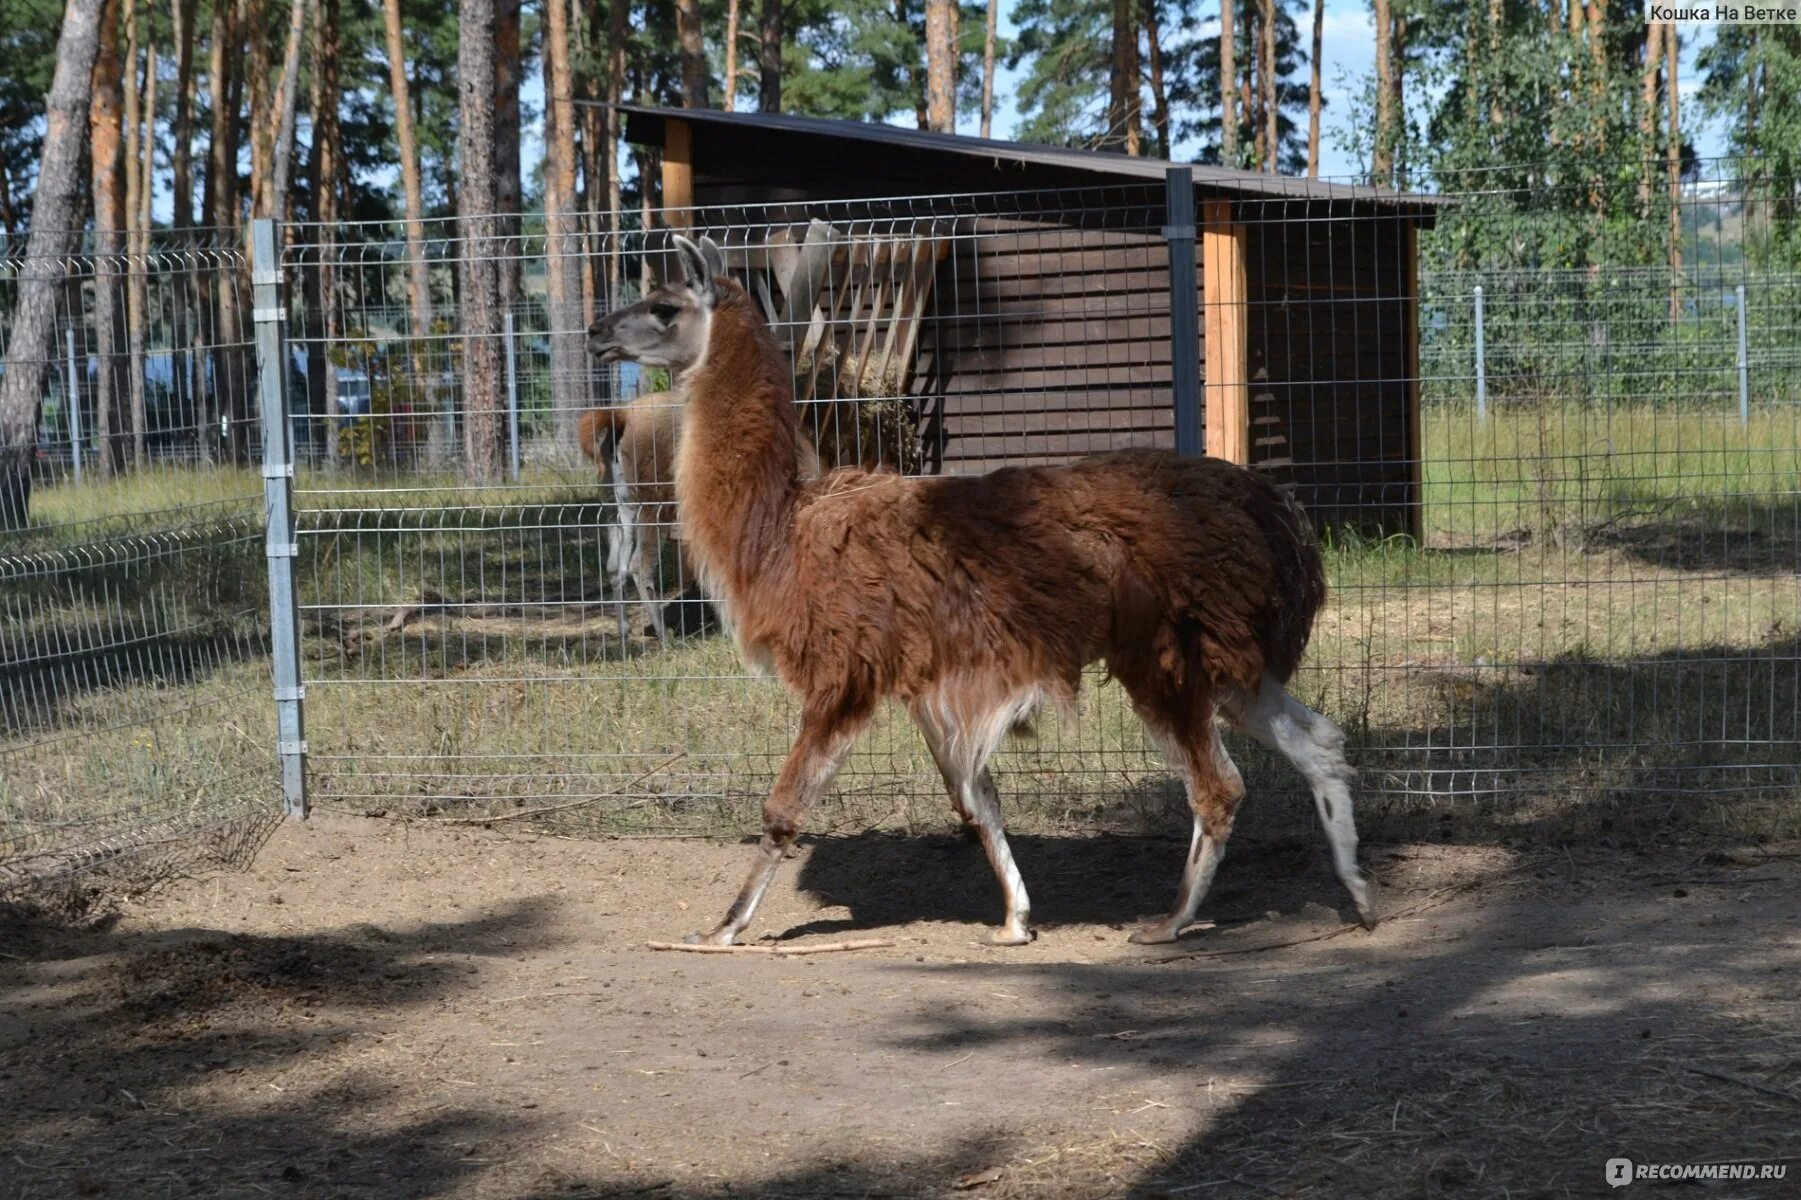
(973, 600)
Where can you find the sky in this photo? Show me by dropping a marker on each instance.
(1349, 51)
(1349, 44)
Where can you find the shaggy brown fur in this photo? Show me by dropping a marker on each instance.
(1185, 575)
(973, 599)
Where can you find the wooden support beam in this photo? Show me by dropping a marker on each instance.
(1416, 445)
(678, 174)
(1225, 333)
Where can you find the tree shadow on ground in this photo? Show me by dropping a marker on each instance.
(1580, 1012)
(111, 1044)
(1750, 535)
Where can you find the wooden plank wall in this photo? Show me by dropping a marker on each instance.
(1330, 393)
(1043, 344)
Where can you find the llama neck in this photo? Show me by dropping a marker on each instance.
(737, 464)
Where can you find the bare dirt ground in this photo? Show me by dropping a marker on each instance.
(389, 1010)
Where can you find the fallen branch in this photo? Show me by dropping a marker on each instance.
(550, 808)
(1748, 1083)
(778, 951)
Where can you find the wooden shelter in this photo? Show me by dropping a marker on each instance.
(1045, 329)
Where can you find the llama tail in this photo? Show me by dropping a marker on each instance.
(1300, 581)
(597, 430)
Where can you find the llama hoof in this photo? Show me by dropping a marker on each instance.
(1010, 935)
(1368, 916)
(1160, 934)
(707, 939)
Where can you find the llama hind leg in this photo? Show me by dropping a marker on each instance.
(1214, 791)
(646, 565)
(619, 537)
(977, 801)
(811, 765)
(1315, 747)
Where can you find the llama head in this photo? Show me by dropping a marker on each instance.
(670, 326)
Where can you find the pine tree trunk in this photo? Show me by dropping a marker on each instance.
(731, 55)
(440, 434)
(106, 124)
(1647, 112)
(55, 212)
(322, 180)
(618, 33)
(1672, 86)
(941, 65)
(769, 59)
(140, 145)
(591, 201)
(988, 32)
(508, 184)
(1267, 82)
(694, 54)
(563, 251)
(476, 199)
(263, 115)
(1313, 95)
(183, 401)
(287, 103)
(1123, 96)
(1159, 96)
(1228, 84)
(1382, 153)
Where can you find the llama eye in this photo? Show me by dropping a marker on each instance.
(664, 312)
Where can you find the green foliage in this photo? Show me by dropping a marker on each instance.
(1751, 81)
(28, 30)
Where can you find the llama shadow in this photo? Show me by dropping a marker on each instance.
(885, 880)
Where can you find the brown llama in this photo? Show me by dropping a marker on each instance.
(973, 600)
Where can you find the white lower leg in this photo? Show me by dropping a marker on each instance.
(1204, 855)
(812, 764)
(1315, 746)
(981, 802)
(762, 873)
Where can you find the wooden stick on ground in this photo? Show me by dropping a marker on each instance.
(778, 951)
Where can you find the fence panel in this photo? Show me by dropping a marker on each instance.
(134, 714)
(1574, 603)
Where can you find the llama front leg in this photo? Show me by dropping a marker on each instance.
(812, 763)
(646, 566)
(1315, 747)
(1214, 790)
(619, 536)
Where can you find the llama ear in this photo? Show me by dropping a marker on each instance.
(714, 256)
(696, 270)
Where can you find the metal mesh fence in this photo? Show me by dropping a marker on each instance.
(1558, 482)
(1574, 600)
(134, 711)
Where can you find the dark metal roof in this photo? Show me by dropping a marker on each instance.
(648, 126)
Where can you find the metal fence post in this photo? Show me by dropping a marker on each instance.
(74, 402)
(270, 319)
(1744, 364)
(512, 400)
(1481, 358)
(1184, 309)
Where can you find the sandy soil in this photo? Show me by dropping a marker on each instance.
(389, 1010)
